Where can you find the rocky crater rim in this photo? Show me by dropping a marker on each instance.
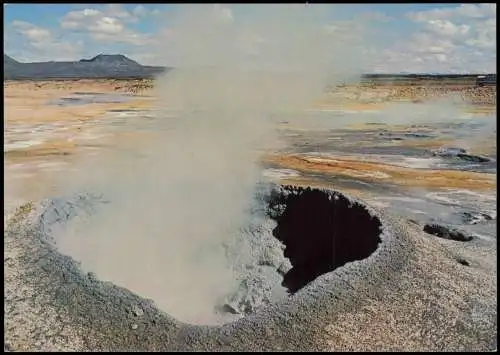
(322, 230)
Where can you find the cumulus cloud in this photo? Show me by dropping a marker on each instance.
(468, 23)
(464, 11)
(117, 11)
(105, 26)
(452, 39)
(442, 39)
(447, 28)
(376, 16)
(31, 32)
(141, 11)
(41, 43)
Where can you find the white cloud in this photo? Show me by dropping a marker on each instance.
(484, 35)
(456, 38)
(464, 11)
(451, 39)
(468, 24)
(31, 32)
(447, 28)
(141, 11)
(223, 14)
(75, 20)
(423, 42)
(375, 16)
(441, 57)
(41, 44)
(106, 26)
(117, 11)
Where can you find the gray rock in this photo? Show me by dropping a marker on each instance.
(446, 233)
(460, 153)
(475, 217)
(138, 311)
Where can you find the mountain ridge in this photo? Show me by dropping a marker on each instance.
(102, 66)
(119, 66)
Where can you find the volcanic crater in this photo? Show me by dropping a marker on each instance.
(321, 230)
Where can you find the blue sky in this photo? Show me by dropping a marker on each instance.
(407, 37)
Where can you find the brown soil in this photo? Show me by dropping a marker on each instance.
(373, 171)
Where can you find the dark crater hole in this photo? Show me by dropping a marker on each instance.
(321, 230)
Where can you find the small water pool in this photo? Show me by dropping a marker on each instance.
(84, 98)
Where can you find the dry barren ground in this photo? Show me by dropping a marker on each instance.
(43, 139)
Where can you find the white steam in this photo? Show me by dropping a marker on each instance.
(177, 198)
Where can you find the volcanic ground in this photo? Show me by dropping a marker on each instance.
(370, 231)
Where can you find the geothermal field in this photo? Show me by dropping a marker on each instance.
(237, 204)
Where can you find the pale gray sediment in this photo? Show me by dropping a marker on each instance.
(410, 294)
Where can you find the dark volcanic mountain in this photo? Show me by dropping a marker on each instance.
(114, 66)
(118, 66)
(9, 64)
(111, 59)
(8, 60)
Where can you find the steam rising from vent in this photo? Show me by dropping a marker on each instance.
(177, 199)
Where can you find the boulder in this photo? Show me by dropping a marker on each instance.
(446, 233)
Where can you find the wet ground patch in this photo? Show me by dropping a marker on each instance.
(91, 98)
